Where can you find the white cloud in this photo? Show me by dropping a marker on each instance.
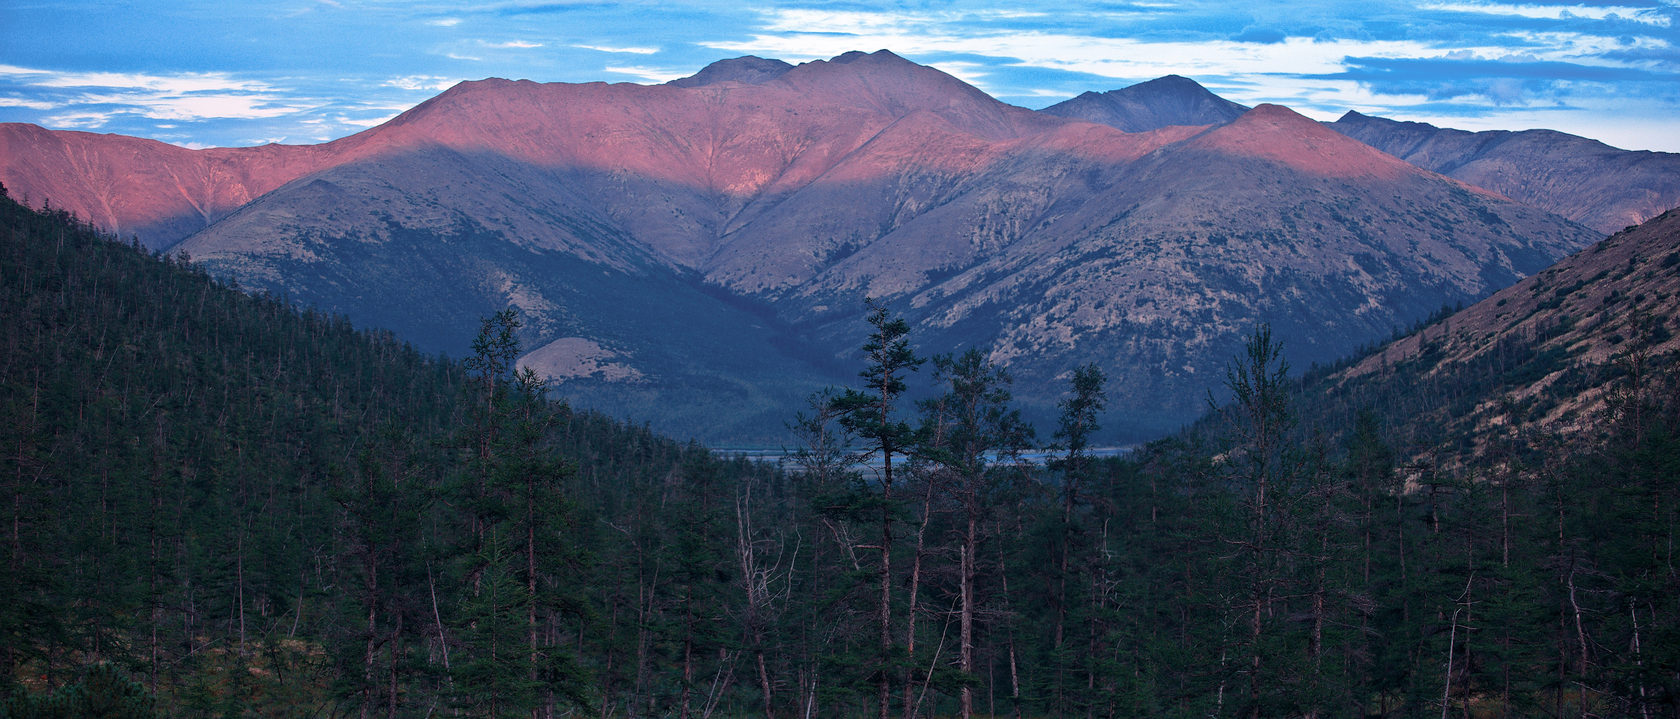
(1323, 97)
(844, 22)
(1582, 48)
(28, 104)
(1103, 56)
(890, 23)
(196, 96)
(650, 74)
(193, 107)
(1280, 72)
(444, 22)
(78, 120)
(972, 73)
(458, 56)
(15, 70)
(362, 123)
(421, 82)
(631, 50)
(1557, 12)
(513, 44)
(199, 82)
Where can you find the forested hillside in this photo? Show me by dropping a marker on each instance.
(218, 506)
(255, 512)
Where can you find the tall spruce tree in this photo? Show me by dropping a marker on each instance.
(975, 438)
(871, 414)
(1075, 425)
(1260, 418)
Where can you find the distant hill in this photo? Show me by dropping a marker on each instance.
(1162, 102)
(749, 69)
(1587, 181)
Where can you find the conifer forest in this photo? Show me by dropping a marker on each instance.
(219, 505)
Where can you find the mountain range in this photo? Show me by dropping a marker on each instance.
(1602, 187)
(696, 254)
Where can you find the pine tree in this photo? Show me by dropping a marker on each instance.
(871, 415)
(973, 435)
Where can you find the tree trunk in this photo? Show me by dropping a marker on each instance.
(531, 587)
(367, 656)
(915, 591)
(764, 684)
(391, 670)
(884, 611)
(966, 640)
(1014, 665)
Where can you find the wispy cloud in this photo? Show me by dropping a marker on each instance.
(650, 74)
(195, 107)
(1558, 12)
(973, 73)
(79, 120)
(1101, 56)
(630, 50)
(199, 82)
(1539, 60)
(513, 45)
(25, 103)
(421, 82)
(196, 96)
(14, 70)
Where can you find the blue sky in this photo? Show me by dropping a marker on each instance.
(220, 73)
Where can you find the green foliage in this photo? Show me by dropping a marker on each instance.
(869, 413)
(218, 505)
(103, 692)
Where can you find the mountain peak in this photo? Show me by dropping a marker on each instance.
(747, 69)
(896, 87)
(852, 56)
(1281, 135)
(1178, 83)
(1162, 102)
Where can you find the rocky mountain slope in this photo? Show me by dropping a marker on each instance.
(145, 189)
(1584, 180)
(702, 249)
(1556, 355)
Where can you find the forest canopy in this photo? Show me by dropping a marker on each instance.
(219, 505)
